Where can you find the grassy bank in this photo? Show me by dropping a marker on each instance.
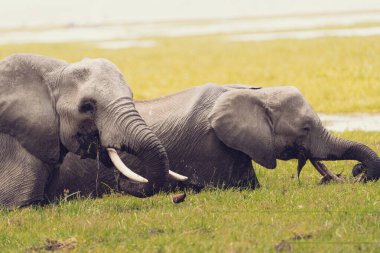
(335, 74)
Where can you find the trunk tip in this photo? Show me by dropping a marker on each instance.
(371, 170)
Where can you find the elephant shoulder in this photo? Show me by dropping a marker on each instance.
(205, 90)
(207, 94)
(241, 86)
(212, 93)
(197, 100)
(200, 101)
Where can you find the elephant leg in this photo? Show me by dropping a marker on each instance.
(242, 175)
(22, 176)
(248, 179)
(51, 186)
(253, 180)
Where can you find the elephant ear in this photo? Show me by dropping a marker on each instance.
(27, 108)
(241, 120)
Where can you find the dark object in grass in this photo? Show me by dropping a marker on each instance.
(283, 246)
(300, 236)
(54, 245)
(178, 198)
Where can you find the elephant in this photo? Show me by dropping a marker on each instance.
(49, 107)
(213, 132)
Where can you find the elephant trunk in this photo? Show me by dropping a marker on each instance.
(335, 148)
(125, 130)
(148, 149)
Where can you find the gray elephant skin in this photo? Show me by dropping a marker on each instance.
(49, 107)
(211, 133)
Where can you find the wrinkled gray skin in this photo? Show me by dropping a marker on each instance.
(211, 133)
(49, 107)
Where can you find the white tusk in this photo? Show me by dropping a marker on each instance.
(177, 176)
(124, 169)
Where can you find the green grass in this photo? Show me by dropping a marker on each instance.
(332, 218)
(335, 74)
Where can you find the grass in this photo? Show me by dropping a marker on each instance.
(335, 74)
(330, 218)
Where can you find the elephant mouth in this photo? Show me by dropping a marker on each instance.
(90, 147)
(89, 144)
(295, 151)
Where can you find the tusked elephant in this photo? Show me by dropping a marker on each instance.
(49, 107)
(211, 133)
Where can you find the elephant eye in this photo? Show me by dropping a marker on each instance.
(87, 106)
(306, 129)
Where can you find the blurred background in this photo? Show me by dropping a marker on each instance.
(329, 49)
(101, 20)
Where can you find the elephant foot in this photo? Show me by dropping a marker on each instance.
(327, 175)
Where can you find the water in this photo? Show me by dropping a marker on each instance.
(126, 44)
(129, 22)
(311, 34)
(243, 29)
(351, 122)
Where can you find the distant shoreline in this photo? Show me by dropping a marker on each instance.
(20, 13)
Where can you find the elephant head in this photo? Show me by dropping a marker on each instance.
(51, 107)
(278, 123)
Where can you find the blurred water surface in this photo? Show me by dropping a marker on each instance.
(28, 13)
(43, 21)
(351, 122)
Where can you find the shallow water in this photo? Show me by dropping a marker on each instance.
(312, 34)
(350, 122)
(126, 44)
(245, 29)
